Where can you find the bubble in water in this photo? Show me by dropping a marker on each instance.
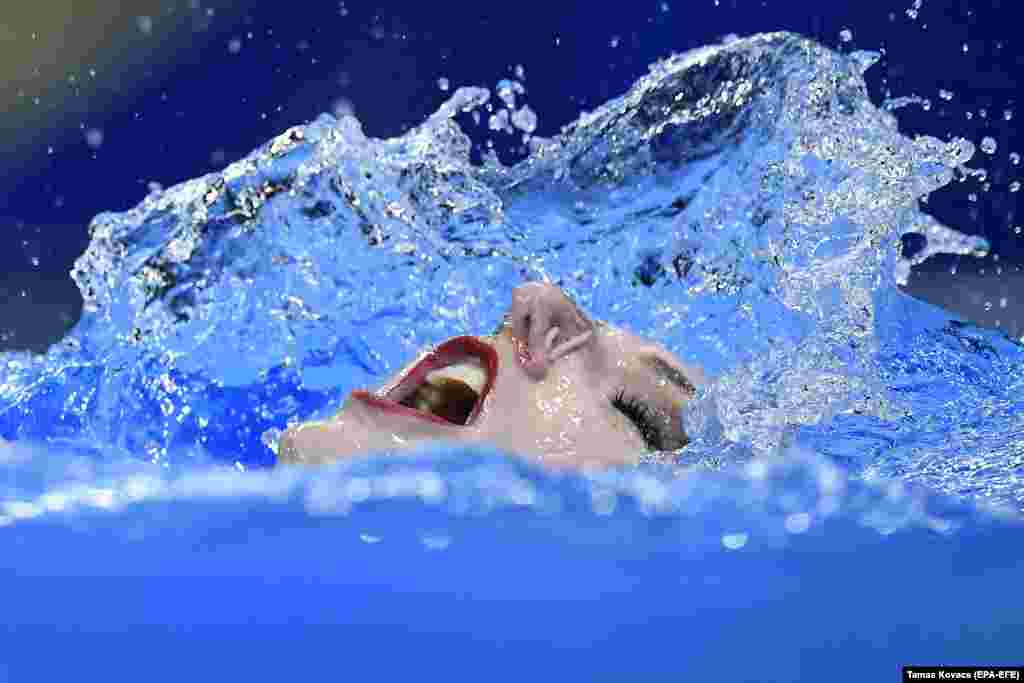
(614, 42)
(1014, 158)
(946, 95)
(520, 72)
(94, 138)
(1017, 230)
(145, 24)
(988, 145)
(1015, 186)
(443, 84)
(846, 35)
(235, 46)
(1007, 114)
(965, 48)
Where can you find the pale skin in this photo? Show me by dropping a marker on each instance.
(565, 391)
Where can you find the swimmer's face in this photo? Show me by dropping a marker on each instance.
(550, 384)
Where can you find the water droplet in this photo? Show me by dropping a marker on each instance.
(965, 48)
(145, 24)
(846, 35)
(734, 541)
(614, 42)
(520, 72)
(235, 46)
(1015, 186)
(946, 95)
(507, 90)
(94, 138)
(443, 84)
(525, 120)
(1007, 114)
(343, 107)
(988, 145)
(1014, 158)
(798, 522)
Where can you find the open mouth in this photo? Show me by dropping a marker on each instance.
(447, 386)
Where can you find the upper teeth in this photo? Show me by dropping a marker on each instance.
(468, 372)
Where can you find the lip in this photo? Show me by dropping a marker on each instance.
(450, 352)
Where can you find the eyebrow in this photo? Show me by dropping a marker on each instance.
(670, 373)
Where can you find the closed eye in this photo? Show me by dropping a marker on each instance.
(639, 413)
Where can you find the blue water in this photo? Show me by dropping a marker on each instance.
(849, 504)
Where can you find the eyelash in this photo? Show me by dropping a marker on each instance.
(640, 415)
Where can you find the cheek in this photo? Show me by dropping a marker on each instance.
(558, 399)
(570, 415)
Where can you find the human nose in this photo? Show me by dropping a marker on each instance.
(546, 326)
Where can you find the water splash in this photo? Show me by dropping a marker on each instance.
(742, 204)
